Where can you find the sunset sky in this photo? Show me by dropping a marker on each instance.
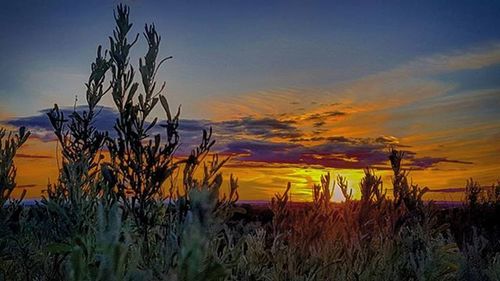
(292, 89)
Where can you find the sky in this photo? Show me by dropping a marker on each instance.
(292, 89)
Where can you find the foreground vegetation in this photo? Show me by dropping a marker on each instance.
(147, 214)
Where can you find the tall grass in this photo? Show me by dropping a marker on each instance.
(130, 218)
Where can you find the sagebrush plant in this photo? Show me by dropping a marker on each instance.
(473, 193)
(9, 145)
(118, 210)
(405, 193)
(81, 147)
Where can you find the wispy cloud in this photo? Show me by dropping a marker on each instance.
(391, 88)
(32, 156)
(259, 127)
(466, 59)
(27, 185)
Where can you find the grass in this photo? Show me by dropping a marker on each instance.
(114, 220)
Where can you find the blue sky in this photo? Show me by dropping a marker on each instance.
(232, 47)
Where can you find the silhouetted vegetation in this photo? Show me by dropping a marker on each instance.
(126, 207)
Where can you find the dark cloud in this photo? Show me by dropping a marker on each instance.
(188, 125)
(348, 153)
(40, 126)
(340, 139)
(189, 130)
(259, 127)
(386, 141)
(335, 152)
(263, 151)
(332, 155)
(325, 115)
(448, 190)
(431, 162)
(26, 185)
(333, 139)
(318, 124)
(22, 155)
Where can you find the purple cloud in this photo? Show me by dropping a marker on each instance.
(430, 162)
(249, 139)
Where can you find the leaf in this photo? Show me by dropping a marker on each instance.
(239, 210)
(132, 92)
(164, 103)
(59, 248)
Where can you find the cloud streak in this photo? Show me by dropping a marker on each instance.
(263, 140)
(32, 156)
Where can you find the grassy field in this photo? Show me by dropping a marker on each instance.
(93, 234)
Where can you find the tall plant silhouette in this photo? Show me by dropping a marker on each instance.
(405, 193)
(9, 144)
(141, 162)
(79, 139)
(81, 143)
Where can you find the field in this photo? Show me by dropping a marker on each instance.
(93, 235)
